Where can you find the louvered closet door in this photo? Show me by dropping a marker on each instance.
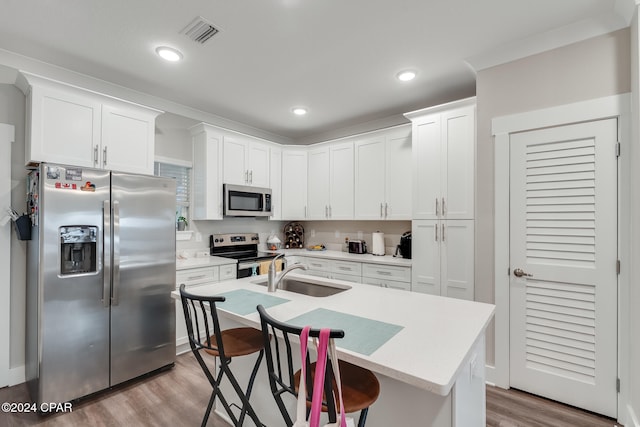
(564, 234)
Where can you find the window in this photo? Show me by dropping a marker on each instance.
(182, 175)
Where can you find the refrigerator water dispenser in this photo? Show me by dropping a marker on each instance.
(78, 249)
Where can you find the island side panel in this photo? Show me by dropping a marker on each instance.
(399, 404)
(469, 391)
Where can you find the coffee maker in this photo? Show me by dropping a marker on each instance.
(404, 248)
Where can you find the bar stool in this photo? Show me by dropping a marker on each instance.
(202, 318)
(360, 387)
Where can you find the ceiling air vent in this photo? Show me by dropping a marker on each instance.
(199, 30)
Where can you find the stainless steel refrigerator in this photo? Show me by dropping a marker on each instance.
(100, 271)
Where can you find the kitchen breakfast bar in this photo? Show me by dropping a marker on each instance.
(428, 352)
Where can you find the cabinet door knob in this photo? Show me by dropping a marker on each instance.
(437, 207)
(104, 156)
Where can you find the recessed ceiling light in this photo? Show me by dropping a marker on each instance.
(406, 75)
(299, 111)
(168, 53)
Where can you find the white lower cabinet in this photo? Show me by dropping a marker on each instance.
(228, 272)
(346, 277)
(386, 283)
(349, 271)
(387, 276)
(318, 273)
(194, 277)
(317, 264)
(443, 258)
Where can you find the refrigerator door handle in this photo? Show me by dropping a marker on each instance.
(116, 252)
(106, 253)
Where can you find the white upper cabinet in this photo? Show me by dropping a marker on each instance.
(330, 182)
(207, 172)
(128, 136)
(72, 126)
(275, 180)
(236, 152)
(443, 161)
(318, 180)
(246, 161)
(398, 174)
(341, 181)
(294, 184)
(370, 178)
(383, 175)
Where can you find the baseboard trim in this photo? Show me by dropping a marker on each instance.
(17, 375)
(182, 348)
(490, 375)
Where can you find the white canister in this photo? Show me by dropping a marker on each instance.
(377, 244)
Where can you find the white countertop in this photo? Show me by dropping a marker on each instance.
(429, 352)
(345, 256)
(202, 261)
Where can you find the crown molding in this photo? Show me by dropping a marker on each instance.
(619, 17)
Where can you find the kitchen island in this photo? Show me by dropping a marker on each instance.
(427, 351)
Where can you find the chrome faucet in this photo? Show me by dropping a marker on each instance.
(272, 282)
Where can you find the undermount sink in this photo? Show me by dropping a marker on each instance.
(308, 286)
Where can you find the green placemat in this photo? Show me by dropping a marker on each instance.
(361, 335)
(243, 302)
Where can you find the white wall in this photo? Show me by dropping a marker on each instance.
(12, 105)
(633, 387)
(586, 70)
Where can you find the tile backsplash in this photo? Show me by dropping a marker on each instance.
(330, 233)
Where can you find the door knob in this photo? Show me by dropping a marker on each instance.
(519, 273)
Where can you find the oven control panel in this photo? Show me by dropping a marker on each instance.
(233, 239)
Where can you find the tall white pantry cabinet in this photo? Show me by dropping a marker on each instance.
(443, 199)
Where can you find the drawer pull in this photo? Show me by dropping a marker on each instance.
(384, 273)
(344, 268)
(201, 276)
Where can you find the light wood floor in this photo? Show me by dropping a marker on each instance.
(178, 397)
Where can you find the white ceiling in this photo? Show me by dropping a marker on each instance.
(339, 58)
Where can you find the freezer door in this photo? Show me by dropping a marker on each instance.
(143, 275)
(66, 306)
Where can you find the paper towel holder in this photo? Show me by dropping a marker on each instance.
(377, 244)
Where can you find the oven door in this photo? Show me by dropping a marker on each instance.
(242, 200)
(248, 268)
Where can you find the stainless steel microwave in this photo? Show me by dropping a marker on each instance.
(243, 200)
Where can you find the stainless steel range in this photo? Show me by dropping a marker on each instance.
(244, 248)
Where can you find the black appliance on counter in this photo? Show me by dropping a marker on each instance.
(244, 248)
(404, 248)
(357, 247)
